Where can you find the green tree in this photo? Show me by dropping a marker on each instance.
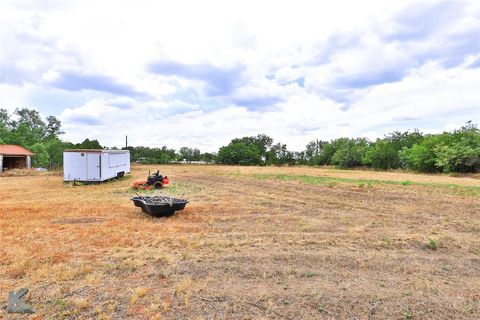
(152, 155)
(4, 121)
(278, 154)
(313, 150)
(53, 128)
(28, 128)
(4, 118)
(326, 154)
(208, 157)
(421, 157)
(462, 154)
(328, 150)
(189, 154)
(382, 155)
(88, 144)
(261, 142)
(30, 120)
(300, 158)
(457, 151)
(350, 152)
(385, 153)
(22, 134)
(55, 148)
(240, 152)
(41, 155)
(246, 151)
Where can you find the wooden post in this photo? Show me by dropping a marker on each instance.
(1, 162)
(29, 162)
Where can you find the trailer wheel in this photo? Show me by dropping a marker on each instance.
(158, 185)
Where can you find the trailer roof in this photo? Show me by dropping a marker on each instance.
(96, 151)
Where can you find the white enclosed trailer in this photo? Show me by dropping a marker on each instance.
(92, 165)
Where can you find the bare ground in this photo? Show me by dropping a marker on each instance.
(254, 243)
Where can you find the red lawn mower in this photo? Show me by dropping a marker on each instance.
(155, 181)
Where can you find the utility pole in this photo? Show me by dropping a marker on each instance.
(126, 142)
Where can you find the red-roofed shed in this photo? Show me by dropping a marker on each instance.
(14, 157)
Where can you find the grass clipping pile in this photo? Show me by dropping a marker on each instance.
(161, 200)
(254, 243)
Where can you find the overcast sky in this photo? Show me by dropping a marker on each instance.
(199, 73)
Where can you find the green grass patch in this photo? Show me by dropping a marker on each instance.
(180, 188)
(333, 181)
(308, 274)
(432, 244)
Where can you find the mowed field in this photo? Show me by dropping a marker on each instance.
(254, 243)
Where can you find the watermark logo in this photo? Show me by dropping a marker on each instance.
(15, 304)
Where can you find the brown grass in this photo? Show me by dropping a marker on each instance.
(29, 172)
(254, 243)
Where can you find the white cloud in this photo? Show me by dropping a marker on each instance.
(12, 96)
(296, 70)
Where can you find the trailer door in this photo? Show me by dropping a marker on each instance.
(93, 166)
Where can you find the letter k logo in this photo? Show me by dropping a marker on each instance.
(15, 305)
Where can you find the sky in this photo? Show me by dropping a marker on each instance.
(199, 73)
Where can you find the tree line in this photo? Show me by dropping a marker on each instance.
(456, 151)
(165, 155)
(27, 128)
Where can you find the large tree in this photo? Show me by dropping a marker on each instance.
(246, 151)
(240, 152)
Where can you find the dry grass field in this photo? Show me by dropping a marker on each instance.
(254, 243)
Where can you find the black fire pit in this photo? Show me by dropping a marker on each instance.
(159, 206)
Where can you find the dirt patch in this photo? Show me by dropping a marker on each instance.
(78, 220)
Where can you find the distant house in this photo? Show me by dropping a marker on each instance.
(14, 157)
